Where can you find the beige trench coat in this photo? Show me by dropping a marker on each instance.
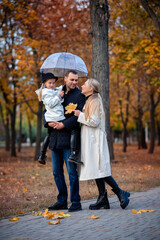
(94, 147)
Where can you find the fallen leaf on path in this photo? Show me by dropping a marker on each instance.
(36, 213)
(25, 189)
(94, 217)
(56, 217)
(142, 211)
(21, 212)
(54, 222)
(134, 211)
(14, 219)
(66, 215)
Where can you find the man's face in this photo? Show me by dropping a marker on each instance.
(71, 81)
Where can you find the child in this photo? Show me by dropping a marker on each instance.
(52, 98)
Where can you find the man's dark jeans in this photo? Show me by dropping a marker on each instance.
(58, 157)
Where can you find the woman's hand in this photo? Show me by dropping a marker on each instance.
(76, 113)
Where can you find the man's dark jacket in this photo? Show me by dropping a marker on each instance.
(61, 138)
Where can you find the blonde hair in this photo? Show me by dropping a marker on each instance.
(40, 92)
(94, 101)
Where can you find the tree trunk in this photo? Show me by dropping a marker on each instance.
(7, 134)
(99, 15)
(125, 118)
(13, 123)
(124, 138)
(6, 127)
(20, 132)
(152, 124)
(143, 138)
(13, 135)
(30, 132)
(158, 131)
(39, 127)
(141, 133)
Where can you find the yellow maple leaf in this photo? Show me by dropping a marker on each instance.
(54, 222)
(93, 217)
(70, 107)
(14, 219)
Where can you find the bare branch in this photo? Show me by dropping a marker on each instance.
(152, 14)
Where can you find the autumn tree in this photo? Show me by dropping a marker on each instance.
(10, 39)
(134, 42)
(40, 28)
(99, 14)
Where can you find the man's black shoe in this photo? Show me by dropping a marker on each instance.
(58, 206)
(75, 207)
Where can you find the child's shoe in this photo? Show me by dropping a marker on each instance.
(74, 158)
(42, 159)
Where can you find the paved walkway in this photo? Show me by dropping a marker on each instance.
(113, 224)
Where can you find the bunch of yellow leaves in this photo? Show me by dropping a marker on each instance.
(70, 107)
(142, 211)
(54, 216)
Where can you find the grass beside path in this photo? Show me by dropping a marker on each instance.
(25, 185)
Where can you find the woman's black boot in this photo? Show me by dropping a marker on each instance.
(102, 201)
(123, 196)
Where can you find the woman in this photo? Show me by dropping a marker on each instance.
(94, 147)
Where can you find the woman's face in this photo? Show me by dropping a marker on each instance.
(86, 89)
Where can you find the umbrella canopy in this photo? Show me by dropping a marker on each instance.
(60, 63)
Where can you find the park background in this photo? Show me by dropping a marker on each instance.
(30, 32)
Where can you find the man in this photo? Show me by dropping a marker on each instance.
(60, 133)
